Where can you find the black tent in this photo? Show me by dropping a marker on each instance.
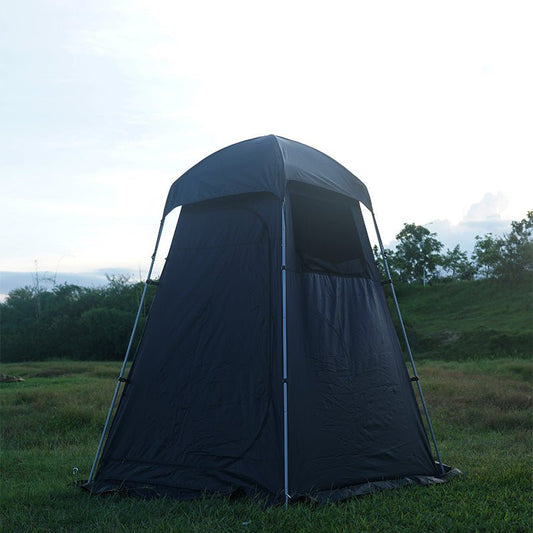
(269, 363)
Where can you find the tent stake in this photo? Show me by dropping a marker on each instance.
(130, 343)
(284, 319)
(408, 346)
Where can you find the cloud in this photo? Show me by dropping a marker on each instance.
(490, 207)
(481, 218)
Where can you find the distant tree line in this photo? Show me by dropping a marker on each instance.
(69, 321)
(418, 257)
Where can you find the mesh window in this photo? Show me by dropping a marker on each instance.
(325, 234)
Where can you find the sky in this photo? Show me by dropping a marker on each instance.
(103, 104)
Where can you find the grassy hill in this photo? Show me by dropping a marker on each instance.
(469, 320)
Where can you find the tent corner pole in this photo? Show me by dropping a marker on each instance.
(120, 378)
(284, 334)
(408, 346)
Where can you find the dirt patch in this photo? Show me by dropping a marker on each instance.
(4, 378)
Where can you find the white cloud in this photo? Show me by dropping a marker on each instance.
(490, 207)
(481, 218)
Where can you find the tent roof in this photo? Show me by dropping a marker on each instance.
(263, 164)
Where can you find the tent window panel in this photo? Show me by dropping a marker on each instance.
(325, 235)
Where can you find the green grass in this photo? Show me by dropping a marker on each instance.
(481, 412)
(463, 306)
(469, 320)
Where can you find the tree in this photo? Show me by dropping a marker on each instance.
(517, 250)
(71, 321)
(456, 263)
(389, 254)
(509, 257)
(105, 332)
(487, 254)
(417, 254)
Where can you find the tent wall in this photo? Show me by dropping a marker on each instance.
(353, 416)
(203, 406)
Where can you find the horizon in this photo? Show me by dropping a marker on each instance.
(47, 279)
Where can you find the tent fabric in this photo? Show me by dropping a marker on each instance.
(264, 164)
(202, 408)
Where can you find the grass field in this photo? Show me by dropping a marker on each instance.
(468, 320)
(481, 412)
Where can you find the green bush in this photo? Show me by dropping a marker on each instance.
(70, 321)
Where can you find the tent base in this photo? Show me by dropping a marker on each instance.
(147, 491)
(353, 491)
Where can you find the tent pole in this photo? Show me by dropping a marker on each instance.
(121, 379)
(408, 346)
(284, 319)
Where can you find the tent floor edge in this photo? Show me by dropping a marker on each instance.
(362, 489)
(319, 497)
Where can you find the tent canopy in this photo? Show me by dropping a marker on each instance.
(263, 164)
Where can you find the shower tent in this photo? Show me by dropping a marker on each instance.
(269, 363)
